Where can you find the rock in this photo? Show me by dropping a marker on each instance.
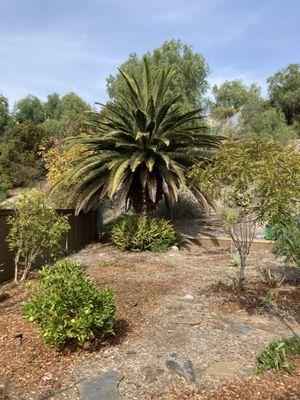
(227, 368)
(47, 377)
(174, 248)
(181, 366)
(103, 387)
(288, 333)
(235, 327)
(188, 297)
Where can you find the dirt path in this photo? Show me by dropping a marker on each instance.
(166, 303)
(185, 317)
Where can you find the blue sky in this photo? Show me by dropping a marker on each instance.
(73, 45)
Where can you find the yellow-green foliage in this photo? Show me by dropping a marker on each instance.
(256, 177)
(67, 306)
(134, 233)
(35, 230)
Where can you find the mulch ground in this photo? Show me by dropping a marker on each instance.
(27, 363)
(145, 286)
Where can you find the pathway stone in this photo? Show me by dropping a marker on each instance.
(188, 297)
(181, 366)
(224, 368)
(104, 387)
(288, 333)
(236, 327)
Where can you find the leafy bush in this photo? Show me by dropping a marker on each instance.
(287, 244)
(4, 188)
(223, 113)
(67, 306)
(134, 233)
(35, 230)
(279, 355)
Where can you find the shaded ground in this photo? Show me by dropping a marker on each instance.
(209, 327)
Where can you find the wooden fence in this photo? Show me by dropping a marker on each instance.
(83, 231)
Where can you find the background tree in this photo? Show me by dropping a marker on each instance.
(234, 94)
(20, 162)
(29, 109)
(262, 123)
(72, 107)
(189, 78)
(52, 106)
(4, 114)
(284, 91)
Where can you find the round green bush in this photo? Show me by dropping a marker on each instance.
(135, 233)
(67, 306)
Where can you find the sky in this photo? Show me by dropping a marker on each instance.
(60, 46)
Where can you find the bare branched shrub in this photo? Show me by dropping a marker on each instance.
(272, 278)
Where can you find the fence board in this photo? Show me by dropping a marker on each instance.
(83, 231)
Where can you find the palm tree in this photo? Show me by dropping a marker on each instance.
(141, 145)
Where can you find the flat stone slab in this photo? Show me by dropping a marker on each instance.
(224, 368)
(103, 387)
(181, 366)
(288, 333)
(235, 327)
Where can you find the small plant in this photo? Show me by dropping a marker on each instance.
(67, 306)
(134, 233)
(279, 355)
(272, 278)
(269, 298)
(35, 229)
(241, 230)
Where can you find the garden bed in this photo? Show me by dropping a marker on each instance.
(155, 318)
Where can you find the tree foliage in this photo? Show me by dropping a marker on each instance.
(143, 146)
(20, 162)
(4, 114)
(251, 182)
(35, 230)
(29, 109)
(260, 177)
(234, 94)
(265, 124)
(189, 79)
(284, 91)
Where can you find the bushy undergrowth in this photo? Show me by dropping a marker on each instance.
(4, 188)
(67, 306)
(287, 244)
(279, 355)
(134, 233)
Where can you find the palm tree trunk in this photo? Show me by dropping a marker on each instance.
(144, 203)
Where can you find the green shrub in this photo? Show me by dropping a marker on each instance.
(36, 230)
(4, 188)
(279, 355)
(67, 306)
(287, 244)
(134, 233)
